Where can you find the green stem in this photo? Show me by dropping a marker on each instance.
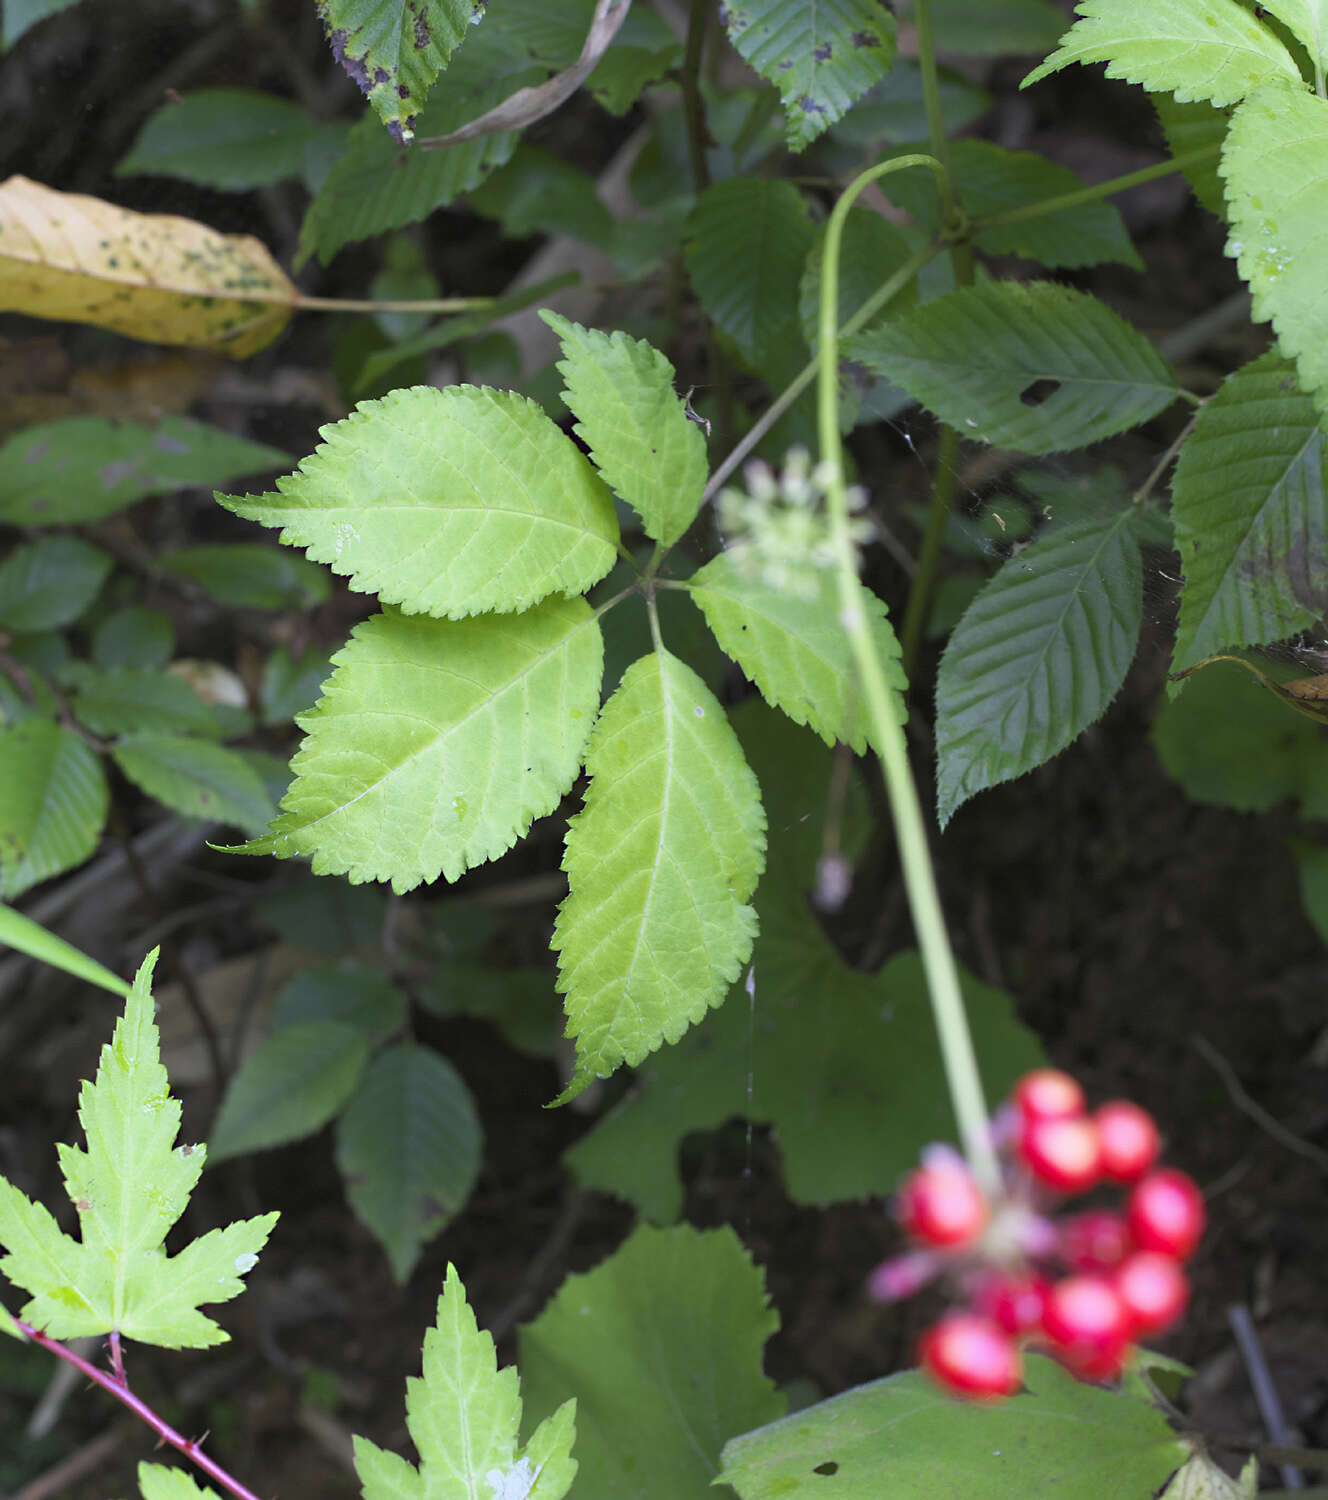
(923, 585)
(937, 138)
(693, 107)
(1095, 193)
(961, 1068)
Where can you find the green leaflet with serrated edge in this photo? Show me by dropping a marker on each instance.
(129, 1186)
(1037, 656)
(464, 1415)
(1195, 49)
(1275, 163)
(156, 1482)
(821, 57)
(196, 778)
(53, 803)
(1251, 514)
(660, 864)
(636, 426)
(1307, 20)
(447, 502)
(795, 649)
(976, 354)
(436, 743)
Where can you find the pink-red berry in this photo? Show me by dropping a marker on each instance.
(1088, 1325)
(971, 1356)
(1048, 1094)
(1062, 1153)
(1153, 1288)
(1013, 1300)
(1096, 1240)
(1165, 1212)
(941, 1204)
(1129, 1139)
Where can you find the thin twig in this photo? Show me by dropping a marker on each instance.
(1265, 1391)
(60, 1479)
(1254, 1110)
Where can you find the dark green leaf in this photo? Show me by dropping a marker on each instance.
(50, 582)
(196, 779)
(134, 637)
(53, 802)
(121, 700)
(250, 575)
(354, 994)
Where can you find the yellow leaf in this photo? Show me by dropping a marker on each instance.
(151, 276)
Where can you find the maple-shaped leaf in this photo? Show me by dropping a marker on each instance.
(129, 1186)
(464, 1416)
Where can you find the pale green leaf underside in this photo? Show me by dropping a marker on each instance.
(973, 355)
(1195, 49)
(53, 801)
(1037, 657)
(1275, 163)
(661, 1346)
(795, 650)
(129, 1186)
(436, 743)
(464, 1415)
(661, 864)
(821, 57)
(1250, 515)
(899, 1437)
(1307, 20)
(408, 1148)
(447, 502)
(628, 414)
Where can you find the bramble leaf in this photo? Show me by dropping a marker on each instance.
(463, 1414)
(129, 1186)
(150, 276)
(195, 778)
(1038, 655)
(635, 425)
(1251, 514)
(896, 1437)
(53, 803)
(794, 649)
(436, 743)
(981, 358)
(1195, 49)
(661, 1347)
(408, 1147)
(157, 1482)
(447, 502)
(1275, 162)
(820, 57)
(393, 52)
(661, 864)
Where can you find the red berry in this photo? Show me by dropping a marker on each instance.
(1129, 1138)
(971, 1356)
(942, 1205)
(1013, 1300)
(1094, 1241)
(1088, 1325)
(1154, 1290)
(1063, 1153)
(1165, 1212)
(1048, 1094)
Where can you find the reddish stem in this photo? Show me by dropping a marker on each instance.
(119, 1388)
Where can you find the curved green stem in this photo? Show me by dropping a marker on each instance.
(961, 1068)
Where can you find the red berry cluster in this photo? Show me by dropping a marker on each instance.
(1085, 1286)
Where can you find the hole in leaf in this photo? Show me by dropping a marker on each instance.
(1039, 391)
(829, 1467)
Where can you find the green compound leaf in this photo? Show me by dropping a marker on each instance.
(650, 453)
(845, 1066)
(991, 179)
(124, 699)
(50, 582)
(463, 1414)
(53, 803)
(1191, 127)
(86, 468)
(795, 649)
(129, 1187)
(995, 28)
(1038, 656)
(250, 575)
(135, 636)
(375, 186)
(661, 1346)
(394, 51)
(289, 1087)
(1307, 21)
(196, 779)
(899, 1437)
(356, 994)
(1251, 515)
(156, 1482)
(1195, 49)
(447, 502)
(408, 1148)
(976, 357)
(660, 866)
(1275, 163)
(821, 57)
(748, 240)
(232, 139)
(436, 743)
